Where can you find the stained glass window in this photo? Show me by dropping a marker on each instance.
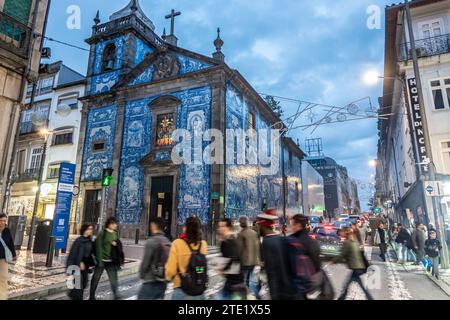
(164, 129)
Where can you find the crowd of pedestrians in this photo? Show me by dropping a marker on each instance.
(286, 259)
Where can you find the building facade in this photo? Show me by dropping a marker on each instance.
(313, 190)
(56, 108)
(20, 53)
(403, 166)
(341, 195)
(142, 91)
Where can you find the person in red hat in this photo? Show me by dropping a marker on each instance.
(274, 257)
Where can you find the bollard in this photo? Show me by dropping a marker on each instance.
(50, 252)
(136, 239)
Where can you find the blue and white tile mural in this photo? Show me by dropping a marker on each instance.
(142, 50)
(187, 65)
(103, 82)
(194, 180)
(194, 186)
(101, 127)
(246, 188)
(144, 77)
(136, 143)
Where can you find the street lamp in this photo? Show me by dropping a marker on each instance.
(371, 77)
(45, 133)
(373, 163)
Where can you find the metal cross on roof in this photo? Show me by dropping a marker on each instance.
(172, 16)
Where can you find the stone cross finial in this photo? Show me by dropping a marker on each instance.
(97, 18)
(172, 16)
(134, 6)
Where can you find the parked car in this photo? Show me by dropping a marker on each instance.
(329, 240)
(315, 221)
(354, 218)
(339, 224)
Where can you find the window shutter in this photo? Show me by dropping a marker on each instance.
(18, 9)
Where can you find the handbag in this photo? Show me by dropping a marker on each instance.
(8, 253)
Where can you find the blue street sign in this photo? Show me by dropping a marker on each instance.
(429, 189)
(63, 204)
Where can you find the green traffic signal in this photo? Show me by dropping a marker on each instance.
(107, 181)
(107, 177)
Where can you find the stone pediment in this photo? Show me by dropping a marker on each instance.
(164, 63)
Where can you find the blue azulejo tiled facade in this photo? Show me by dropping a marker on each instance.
(101, 125)
(154, 88)
(103, 81)
(193, 186)
(247, 189)
(136, 143)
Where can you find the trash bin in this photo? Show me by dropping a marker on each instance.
(17, 226)
(42, 236)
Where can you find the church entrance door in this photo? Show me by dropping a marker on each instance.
(92, 206)
(161, 200)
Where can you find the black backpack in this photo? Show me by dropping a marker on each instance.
(195, 281)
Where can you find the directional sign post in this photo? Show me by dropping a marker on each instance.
(63, 205)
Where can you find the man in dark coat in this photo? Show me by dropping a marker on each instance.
(274, 258)
(403, 239)
(299, 242)
(7, 255)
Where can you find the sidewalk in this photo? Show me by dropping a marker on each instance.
(443, 282)
(30, 279)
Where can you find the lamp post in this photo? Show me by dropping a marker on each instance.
(45, 133)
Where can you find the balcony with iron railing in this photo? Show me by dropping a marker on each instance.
(28, 127)
(26, 176)
(425, 47)
(14, 36)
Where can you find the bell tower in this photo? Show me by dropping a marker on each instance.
(118, 45)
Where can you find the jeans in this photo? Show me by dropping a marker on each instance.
(178, 294)
(435, 263)
(111, 270)
(402, 253)
(382, 251)
(251, 283)
(152, 291)
(228, 293)
(419, 255)
(355, 277)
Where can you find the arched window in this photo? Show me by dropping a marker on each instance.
(109, 57)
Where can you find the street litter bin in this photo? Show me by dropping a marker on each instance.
(42, 236)
(17, 226)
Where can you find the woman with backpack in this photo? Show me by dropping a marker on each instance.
(81, 257)
(353, 256)
(186, 265)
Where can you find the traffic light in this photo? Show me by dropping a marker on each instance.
(107, 177)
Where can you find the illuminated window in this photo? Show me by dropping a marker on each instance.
(164, 129)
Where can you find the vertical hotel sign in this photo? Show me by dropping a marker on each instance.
(418, 125)
(63, 204)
